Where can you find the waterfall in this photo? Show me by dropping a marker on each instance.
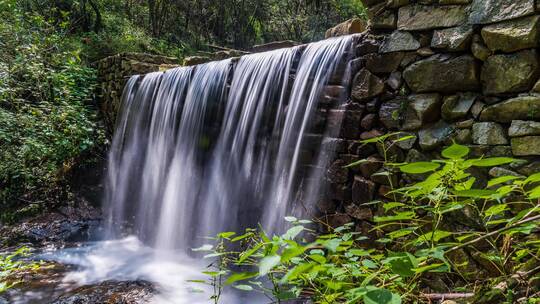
(216, 147)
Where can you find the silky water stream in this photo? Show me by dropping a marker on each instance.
(199, 150)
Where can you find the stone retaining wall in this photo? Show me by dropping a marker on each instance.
(113, 73)
(440, 71)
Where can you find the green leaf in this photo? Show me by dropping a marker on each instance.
(402, 264)
(492, 162)
(534, 193)
(292, 252)
(268, 263)
(291, 219)
(533, 178)
(501, 180)
(495, 210)
(356, 163)
(226, 235)
(398, 217)
(419, 167)
(241, 276)
(293, 232)
(245, 255)
(456, 151)
(381, 296)
(475, 193)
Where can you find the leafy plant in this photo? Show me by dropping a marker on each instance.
(422, 231)
(13, 263)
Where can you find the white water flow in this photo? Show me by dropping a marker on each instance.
(200, 150)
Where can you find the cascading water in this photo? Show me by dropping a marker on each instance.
(204, 149)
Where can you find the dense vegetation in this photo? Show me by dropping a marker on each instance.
(48, 117)
(421, 252)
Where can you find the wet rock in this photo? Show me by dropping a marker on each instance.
(530, 169)
(536, 87)
(359, 213)
(344, 123)
(491, 11)
(490, 151)
(69, 224)
(443, 74)
(421, 109)
(366, 86)
(403, 143)
(368, 121)
(489, 133)
(389, 113)
(524, 128)
(352, 26)
(434, 136)
(498, 172)
(524, 146)
(370, 166)
(363, 190)
(369, 45)
(425, 52)
(383, 63)
(386, 20)
(466, 124)
(479, 48)
(111, 292)
(395, 80)
(519, 108)
(457, 106)
(195, 60)
(450, 2)
(453, 39)
(423, 17)
(337, 173)
(399, 41)
(512, 73)
(514, 35)
(275, 45)
(370, 134)
(464, 136)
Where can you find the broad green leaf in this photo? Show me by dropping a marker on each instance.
(268, 263)
(419, 167)
(291, 219)
(533, 178)
(392, 205)
(381, 296)
(356, 163)
(245, 255)
(291, 252)
(475, 193)
(226, 235)
(398, 217)
(402, 264)
(501, 180)
(495, 210)
(332, 244)
(492, 162)
(293, 232)
(534, 193)
(369, 264)
(241, 276)
(455, 151)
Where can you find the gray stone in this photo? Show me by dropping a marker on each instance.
(513, 35)
(463, 136)
(491, 11)
(363, 190)
(524, 128)
(352, 26)
(466, 124)
(359, 213)
(434, 136)
(453, 39)
(194, 60)
(499, 171)
(490, 151)
(422, 17)
(457, 106)
(530, 169)
(395, 80)
(421, 109)
(441, 73)
(389, 113)
(479, 48)
(399, 41)
(425, 52)
(384, 21)
(406, 144)
(489, 133)
(477, 109)
(519, 108)
(526, 146)
(366, 86)
(512, 73)
(383, 63)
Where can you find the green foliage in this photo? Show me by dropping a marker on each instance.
(12, 264)
(418, 239)
(46, 116)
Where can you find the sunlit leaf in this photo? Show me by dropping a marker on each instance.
(381, 296)
(268, 263)
(419, 167)
(241, 276)
(501, 180)
(492, 162)
(455, 151)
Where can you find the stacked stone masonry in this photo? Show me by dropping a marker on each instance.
(113, 73)
(440, 71)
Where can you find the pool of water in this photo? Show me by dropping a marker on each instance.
(124, 260)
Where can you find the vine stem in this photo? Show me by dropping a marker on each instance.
(485, 236)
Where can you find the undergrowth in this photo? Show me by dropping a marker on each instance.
(423, 249)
